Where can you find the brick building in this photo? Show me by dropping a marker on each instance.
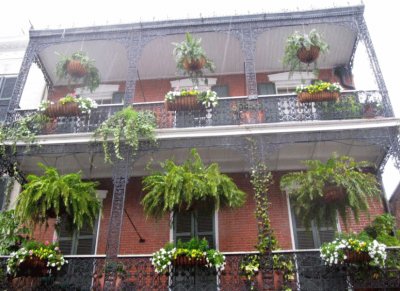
(137, 68)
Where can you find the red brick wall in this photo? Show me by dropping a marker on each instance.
(43, 233)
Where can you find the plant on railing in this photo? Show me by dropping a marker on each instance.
(195, 252)
(35, 259)
(190, 99)
(302, 49)
(351, 250)
(126, 126)
(12, 232)
(117, 268)
(318, 91)
(191, 58)
(180, 187)
(70, 105)
(347, 107)
(79, 68)
(383, 229)
(55, 195)
(325, 189)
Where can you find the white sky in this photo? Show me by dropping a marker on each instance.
(381, 16)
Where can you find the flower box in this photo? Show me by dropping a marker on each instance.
(319, 91)
(33, 266)
(183, 103)
(186, 261)
(355, 257)
(318, 97)
(66, 110)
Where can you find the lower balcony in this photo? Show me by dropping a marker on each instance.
(232, 111)
(304, 271)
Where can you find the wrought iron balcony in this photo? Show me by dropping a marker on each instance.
(233, 111)
(307, 272)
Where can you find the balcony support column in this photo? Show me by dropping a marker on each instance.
(248, 39)
(366, 38)
(121, 170)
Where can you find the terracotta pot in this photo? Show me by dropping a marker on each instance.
(252, 117)
(194, 65)
(318, 97)
(76, 69)
(354, 257)
(183, 103)
(118, 282)
(66, 110)
(308, 55)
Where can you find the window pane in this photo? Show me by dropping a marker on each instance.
(183, 223)
(305, 240)
(85, 246)
(326, 235)
(221, 90)
(266, 89)
(65, 246)
(117, 97)
(7, 87)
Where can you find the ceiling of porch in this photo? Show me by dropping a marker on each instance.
(156, 60)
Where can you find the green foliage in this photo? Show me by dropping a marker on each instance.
(126, 126)
(190, 50)
(298, 40)
(57, 193)
(306, 189)
(90, 80)
(179, 187)
(347, 107)
(12, 233)
(319, 86)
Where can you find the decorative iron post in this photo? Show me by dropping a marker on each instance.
(248, 42)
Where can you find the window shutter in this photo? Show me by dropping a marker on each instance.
(221, 90)
(183, 226)
(65, 238)
(118, 97)
(74, 242)
(205, 224)
(266, 89)
(7, 87)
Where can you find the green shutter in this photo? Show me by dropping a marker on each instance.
(266, 89)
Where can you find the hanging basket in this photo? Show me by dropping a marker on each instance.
(333, 193)
(308, 56)
(318, 97)
(65, 110)
(184, 261)
(194, 65)
(76, 69)
(183, 103)
(354, 257)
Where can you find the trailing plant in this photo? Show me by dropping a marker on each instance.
(191, 58)
(49, 253)
(90, 77)
(196, 250)
(59, 194)
(12, 232)
(297, 41)
(307, 189)
(179, 187)
(84, 104)
(126, 126)
(208, 98)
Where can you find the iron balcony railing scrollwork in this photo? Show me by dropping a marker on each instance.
(231, 111)
(304, 270)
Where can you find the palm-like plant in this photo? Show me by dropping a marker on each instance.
(179, 187)
(308, 189)
(58, 194)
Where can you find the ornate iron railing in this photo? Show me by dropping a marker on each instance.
(232, 111)
(304, 271)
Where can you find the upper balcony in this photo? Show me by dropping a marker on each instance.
(137, 67)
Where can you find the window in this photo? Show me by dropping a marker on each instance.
(196, 223)
(266, 89)
(6, 87)
(221, 90)
(104, 94)
(73, 242)
(313, 237)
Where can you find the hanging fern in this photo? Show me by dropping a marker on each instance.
(306, 189)
(179, 187)
(126, 126)
(57, 193)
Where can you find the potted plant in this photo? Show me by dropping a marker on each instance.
(180, 187)
(372, 108)
(195, 252)
(347, 107)
(190, 99)
(79, 68)
(126, 126)
(118, 268)
(249, 112)
(303, 49)
(54, 195)
(352, 250)
(32, 261)
(70, 105)
(325, 189)
(319, 91)
(191, 58)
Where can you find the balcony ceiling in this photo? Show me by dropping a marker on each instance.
(157, 60)
(289, 157)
